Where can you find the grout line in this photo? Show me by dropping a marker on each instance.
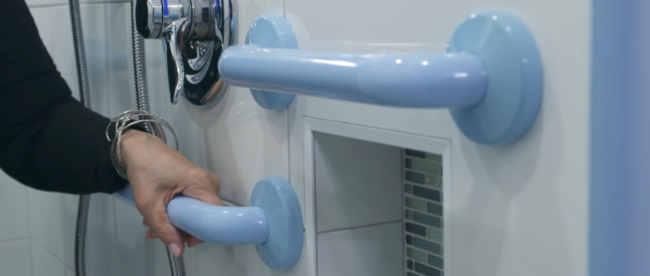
(30, 233)
(426, 199)
(425, 252)
(49, 252)
(32, 264)
(14, 240)
(426, 213)
(360, 227)
(423, 159)
(427, 173)
(430, 187)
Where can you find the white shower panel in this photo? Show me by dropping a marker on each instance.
(237, 140)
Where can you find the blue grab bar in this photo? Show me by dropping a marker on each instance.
(215, 224)
(401, 80)
(490, 78)
(273, 224)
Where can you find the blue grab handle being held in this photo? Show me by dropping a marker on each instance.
(490, 77)
(273, 223)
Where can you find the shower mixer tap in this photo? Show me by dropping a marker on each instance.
(195, 33)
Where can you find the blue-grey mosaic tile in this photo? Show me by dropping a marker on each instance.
(426, 270)
(429, 194)
(435, 209)
(427, 246)
(426, 219)
(416, 229)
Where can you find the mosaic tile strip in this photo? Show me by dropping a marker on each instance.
(423, 214)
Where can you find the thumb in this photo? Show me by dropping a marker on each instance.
(204, 194)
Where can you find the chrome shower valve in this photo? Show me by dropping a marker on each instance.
(195, 33)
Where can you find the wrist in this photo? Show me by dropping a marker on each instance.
(131, 141)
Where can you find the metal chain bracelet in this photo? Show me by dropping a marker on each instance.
(153, 124)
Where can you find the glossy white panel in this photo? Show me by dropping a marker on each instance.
(241, 260)
(357, 183)
(69, 271)
(15, 258)
(514, 208)
(44, 264)
(13, 209)
(375, 250)
(237, 140)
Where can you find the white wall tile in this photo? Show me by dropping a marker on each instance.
(108, 46)
(52, 220)
(65, 3)
(357, 183)
(53, 23)
(44, 264)
(15, 258)
(53, 224)
(13, 209)
(375, 251)
(100, 236)
(107, 41)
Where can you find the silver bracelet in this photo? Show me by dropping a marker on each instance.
(152, 124)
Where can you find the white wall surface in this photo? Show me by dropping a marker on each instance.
(517, 210)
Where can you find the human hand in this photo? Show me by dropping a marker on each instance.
(157, 173)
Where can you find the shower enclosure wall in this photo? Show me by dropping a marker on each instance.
(384, 190)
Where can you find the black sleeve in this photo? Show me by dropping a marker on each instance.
(48, 140)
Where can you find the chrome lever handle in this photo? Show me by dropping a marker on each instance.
(175, 69)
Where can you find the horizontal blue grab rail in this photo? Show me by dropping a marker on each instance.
(273, 224)
(215, 224)
(402, 80)
(490, 78)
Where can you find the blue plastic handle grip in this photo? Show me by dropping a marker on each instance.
(399, 80)
(215, 224)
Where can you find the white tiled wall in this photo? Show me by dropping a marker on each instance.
(13, 209)
(15, 258)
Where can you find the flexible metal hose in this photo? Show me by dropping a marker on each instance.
(176, 265)
(84, 97)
